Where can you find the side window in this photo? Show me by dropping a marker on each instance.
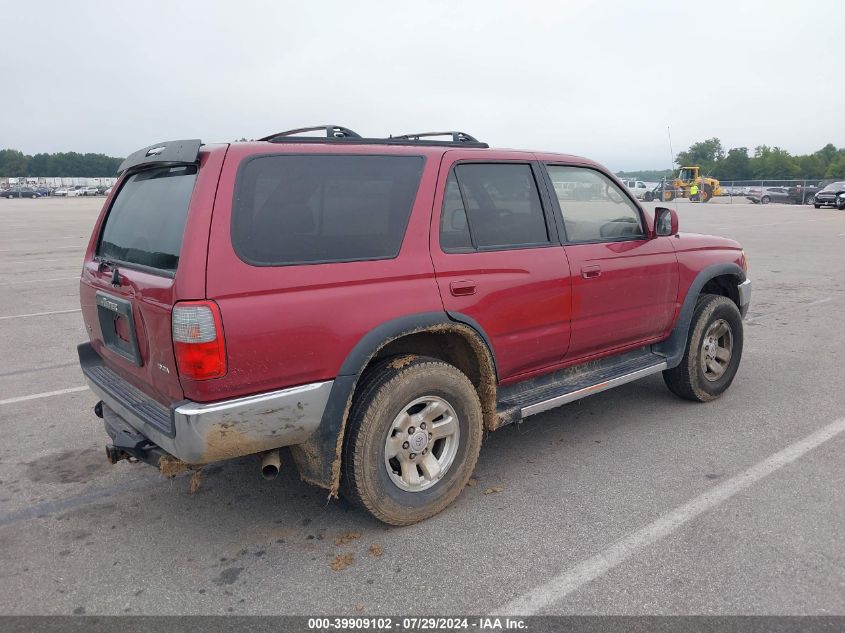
(501, 205)
(303, 209)
(454, 228)
(597, 210)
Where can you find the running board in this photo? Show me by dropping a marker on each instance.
(558, 400)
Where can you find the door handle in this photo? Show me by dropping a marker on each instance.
(591, 272)
(462, 288)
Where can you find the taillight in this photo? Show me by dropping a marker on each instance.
(198, 340)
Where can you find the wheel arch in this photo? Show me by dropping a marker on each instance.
(720, 279)
(452, 337)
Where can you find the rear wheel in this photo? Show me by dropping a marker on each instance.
(668, 195)
(414, 437)
(705, 193)
(714, 349)
(765, 199)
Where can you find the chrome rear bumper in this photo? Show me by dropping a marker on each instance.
(201, 433)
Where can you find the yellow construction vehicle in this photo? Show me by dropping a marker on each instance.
(679, 187)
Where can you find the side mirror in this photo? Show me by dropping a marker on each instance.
(665, 222)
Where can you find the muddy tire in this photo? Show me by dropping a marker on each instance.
(713, 353)
(414, 436)
(705, 193)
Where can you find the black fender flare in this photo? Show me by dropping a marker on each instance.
(673, 347)
(318, 459)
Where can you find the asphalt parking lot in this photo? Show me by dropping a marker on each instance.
(627, 502)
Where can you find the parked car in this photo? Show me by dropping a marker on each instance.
(803, 194)
(75, 192)
(765, 195)
(235, 298)
(107, 191)
(89, 191)
(60, 192)
(833, 195)
(20, 192)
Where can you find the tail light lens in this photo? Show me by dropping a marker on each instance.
(198, 340)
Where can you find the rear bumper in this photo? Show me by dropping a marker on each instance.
(744, 297)
(201, 433)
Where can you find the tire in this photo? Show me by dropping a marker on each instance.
(388, 390)
(33, 196)
(691, 379)
(809, 199)
(649, 196)
(705, 194)
(765, 200)
(817, 206)
(841, 205)
(668, 195)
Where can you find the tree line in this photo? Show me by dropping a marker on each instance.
(765, 163)
(16, 164)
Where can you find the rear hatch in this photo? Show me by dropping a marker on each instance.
(137, 267)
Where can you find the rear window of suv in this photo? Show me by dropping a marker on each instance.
(146, 221)
(309, 209)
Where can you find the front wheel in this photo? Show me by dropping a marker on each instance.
(414, 436)
(765, 199)
(840, 204)
(714, 349)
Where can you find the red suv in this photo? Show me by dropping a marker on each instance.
(376, 305)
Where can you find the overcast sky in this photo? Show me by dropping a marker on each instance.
(602, 79)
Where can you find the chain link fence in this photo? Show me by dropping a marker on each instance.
(741, 191)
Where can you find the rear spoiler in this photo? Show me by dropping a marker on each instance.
(182, 152)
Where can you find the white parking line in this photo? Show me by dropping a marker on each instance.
(54, 248)
(46, 394)
(36, 314)
(585, 572)
(37, 281)
(35, 260)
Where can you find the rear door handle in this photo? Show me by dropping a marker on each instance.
(591, 272)
(462, 288)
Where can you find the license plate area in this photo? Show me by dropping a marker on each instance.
(117, 324)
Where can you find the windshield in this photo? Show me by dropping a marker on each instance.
(835, 186)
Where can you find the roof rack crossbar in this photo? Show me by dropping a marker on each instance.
(332, 131)
(457, 137)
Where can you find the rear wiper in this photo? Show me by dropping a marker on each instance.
(107, 263)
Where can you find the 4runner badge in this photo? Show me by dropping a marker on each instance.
(163, 368)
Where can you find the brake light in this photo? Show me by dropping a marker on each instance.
(198, 340)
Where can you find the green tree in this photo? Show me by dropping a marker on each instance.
(836, 168)
(774, 163)
(736, 165)
(705, 153)
(13, 163)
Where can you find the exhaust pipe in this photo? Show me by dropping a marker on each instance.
(270, 464)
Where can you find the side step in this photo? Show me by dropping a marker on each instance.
(547, 392)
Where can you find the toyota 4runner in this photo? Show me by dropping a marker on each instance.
(377, 305)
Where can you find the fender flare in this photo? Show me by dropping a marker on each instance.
(318, 459)
(674, 346)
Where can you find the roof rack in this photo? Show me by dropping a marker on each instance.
(332, 132)
(457, 137)
(340, 134)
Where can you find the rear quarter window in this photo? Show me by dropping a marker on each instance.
(146, 221)
(308, 209)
